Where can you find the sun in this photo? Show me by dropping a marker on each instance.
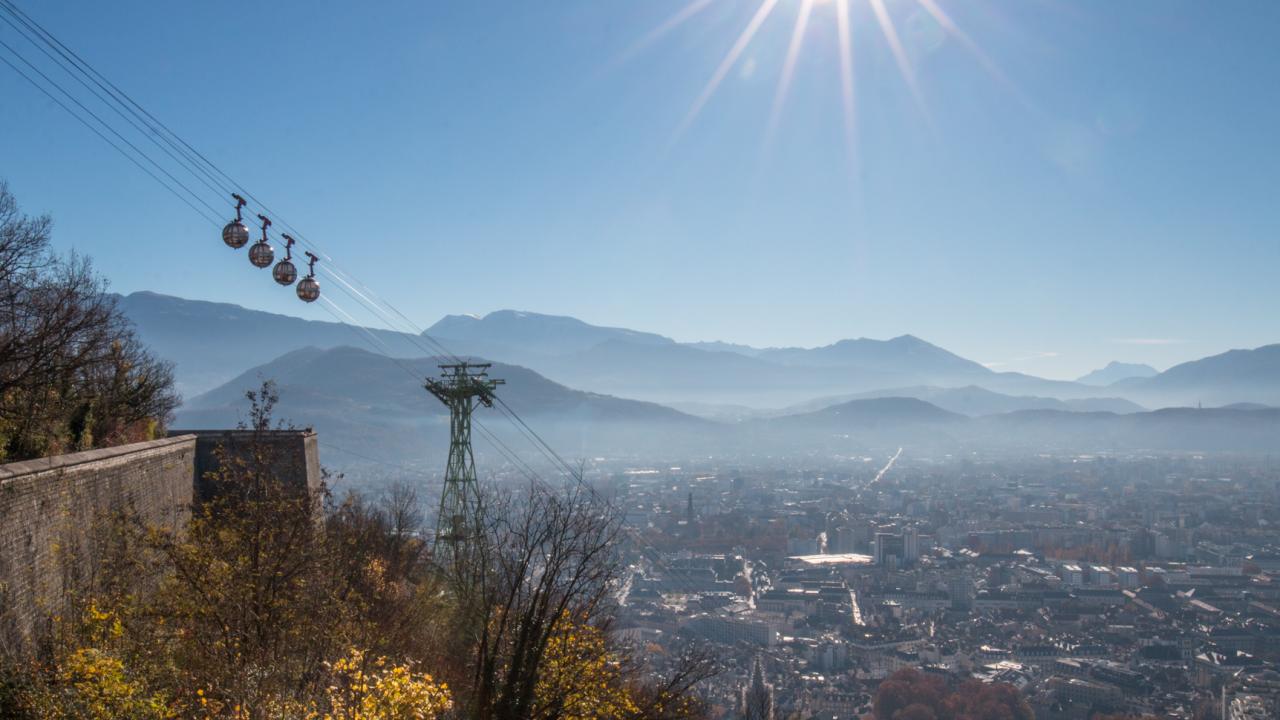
(872, 10)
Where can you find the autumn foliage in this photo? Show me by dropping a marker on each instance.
(276, 602)
(73, 374)
(910, 694)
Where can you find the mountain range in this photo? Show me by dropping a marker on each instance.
(653, 367)
(575, 375)
(1234, 376)
(883, 423)
(1116, 371)
(212, 342)
(657, 368)
(974, 401)
(374, 407)
(375, 403)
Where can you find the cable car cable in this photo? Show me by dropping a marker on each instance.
(646, 549)
(149, 133)
(127, 156)
(374, 342)
(134, 108)
(106, 125)
(121, 98)
(368, 302)
(397, 466)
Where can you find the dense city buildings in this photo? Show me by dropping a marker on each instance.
(1130, 585)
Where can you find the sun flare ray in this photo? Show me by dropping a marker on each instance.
(680, 17)
(899, 52)
(942, 18)
(788, 69)
(749, 32)
(886, 16)
(845, 38)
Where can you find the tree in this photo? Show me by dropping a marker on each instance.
(909, 694)
(915, 711)
(975, 700)
(249, 610)
(542, 559)
(672, 696)
(905, 688)
(581, 677)
(533, 592)
(73, 374)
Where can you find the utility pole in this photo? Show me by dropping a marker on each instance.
(460, 387)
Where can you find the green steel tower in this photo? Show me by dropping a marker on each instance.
(460, 387)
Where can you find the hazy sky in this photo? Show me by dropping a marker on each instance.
(1098, 181)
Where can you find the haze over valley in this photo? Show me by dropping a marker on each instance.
(603, 390)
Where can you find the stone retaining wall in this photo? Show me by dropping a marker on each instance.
(50, 508)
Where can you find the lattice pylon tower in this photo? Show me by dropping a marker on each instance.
(461, 386)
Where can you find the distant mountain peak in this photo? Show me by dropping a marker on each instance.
(1116, 371)
(511, 333)
(882, 410)
(526, 315)
(905, 354)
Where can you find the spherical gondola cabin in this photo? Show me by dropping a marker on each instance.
(261, 254)
(284, 272)
(309, 287)
(236, 234)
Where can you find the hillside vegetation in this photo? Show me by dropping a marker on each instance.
(73, 375)
(280, 602)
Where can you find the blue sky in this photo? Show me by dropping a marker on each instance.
(1108, 193)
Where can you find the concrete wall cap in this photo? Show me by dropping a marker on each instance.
(238, 433)
(56, 462)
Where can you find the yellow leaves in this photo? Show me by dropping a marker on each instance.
(375, 689)
(90, 681)
(96, 615)
(375, 573)
(581, 675)
(102, 626)
(94, 685)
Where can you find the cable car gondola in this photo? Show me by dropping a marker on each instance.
(236, 234)
(309, 287)
(261, 254)
(284, 272)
